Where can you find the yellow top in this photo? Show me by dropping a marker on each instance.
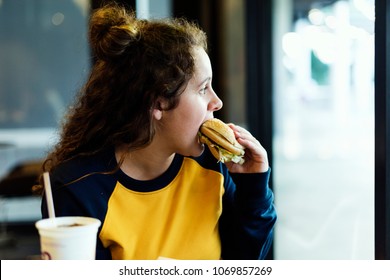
(182, 218)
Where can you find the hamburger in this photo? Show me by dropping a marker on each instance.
(220, 140)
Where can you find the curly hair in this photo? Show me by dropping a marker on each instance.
(137, 63)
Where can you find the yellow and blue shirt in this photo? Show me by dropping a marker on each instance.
(195, 210)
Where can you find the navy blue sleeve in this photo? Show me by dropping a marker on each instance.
(68, 204)
(86, 197)
(248, 216)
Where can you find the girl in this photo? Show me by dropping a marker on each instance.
(129, 153)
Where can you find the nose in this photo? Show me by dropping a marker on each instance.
(215, 103)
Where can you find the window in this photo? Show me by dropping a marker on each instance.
(44, 59)
(324, 129)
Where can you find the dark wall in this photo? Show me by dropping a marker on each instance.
(205, 14)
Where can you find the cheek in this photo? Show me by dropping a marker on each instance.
(187, 126)
(192, 109)
(193, 118)
(189, 114)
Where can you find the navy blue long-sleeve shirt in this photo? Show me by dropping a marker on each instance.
(195, 210)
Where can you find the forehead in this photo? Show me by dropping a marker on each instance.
(202, 64)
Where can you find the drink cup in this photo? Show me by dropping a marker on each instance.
(68, 238)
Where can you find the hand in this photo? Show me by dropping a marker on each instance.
(256, 158)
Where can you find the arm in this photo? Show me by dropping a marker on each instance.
(248, 217)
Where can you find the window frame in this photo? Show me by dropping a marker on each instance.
(382, 130)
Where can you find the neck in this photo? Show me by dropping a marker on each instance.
(143, 164)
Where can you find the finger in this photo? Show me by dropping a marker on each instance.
(246, 136)
(239, 131)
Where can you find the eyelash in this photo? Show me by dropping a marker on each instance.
(203, 90)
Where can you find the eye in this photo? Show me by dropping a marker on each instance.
(203, 90)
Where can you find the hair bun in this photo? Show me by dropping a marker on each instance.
(111, 32)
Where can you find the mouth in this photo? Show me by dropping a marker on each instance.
(198, 135)
(200, 143)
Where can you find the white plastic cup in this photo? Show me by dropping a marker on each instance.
(68, 238)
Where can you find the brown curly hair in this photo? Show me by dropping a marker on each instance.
(137, 63)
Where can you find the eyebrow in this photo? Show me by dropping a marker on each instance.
(205, 80)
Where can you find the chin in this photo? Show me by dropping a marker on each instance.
(200, 152)
(196, 151)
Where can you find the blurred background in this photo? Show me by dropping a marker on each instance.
(298, 73)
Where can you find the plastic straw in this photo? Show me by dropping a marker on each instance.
(49, 195)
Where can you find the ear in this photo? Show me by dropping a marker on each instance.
(157, 114)
(158, 110)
